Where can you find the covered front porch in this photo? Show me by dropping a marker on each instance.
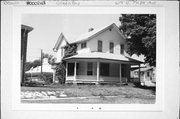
(96, 67)
(97, 71)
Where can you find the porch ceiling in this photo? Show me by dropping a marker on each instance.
(103, 56)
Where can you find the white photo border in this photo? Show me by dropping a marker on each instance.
(18, 11)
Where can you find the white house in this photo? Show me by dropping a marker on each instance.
(101, 57)
(34, 73)
(147, 76)
(46, 68)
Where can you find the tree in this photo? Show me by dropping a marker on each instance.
(61, 72)
(36, 63)
(70, 50)
(28, 66)
(140, 33)
(51, 58)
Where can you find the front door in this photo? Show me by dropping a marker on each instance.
(104, 69)
(70, 69)
(124, 73)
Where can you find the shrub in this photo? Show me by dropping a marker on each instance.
(61, 73)
(48, 78)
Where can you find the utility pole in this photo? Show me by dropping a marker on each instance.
(139, 73)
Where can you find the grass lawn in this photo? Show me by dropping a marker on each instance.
(123, 94)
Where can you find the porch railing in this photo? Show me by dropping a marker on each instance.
(93, 78)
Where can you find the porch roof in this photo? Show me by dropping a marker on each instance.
(106, 56)
(145, 69)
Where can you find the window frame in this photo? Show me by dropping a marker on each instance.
(148, 74)
(90, 68)
(62, 52)
(100, 46)
(111, 47)
(122, 49)
(83, 45)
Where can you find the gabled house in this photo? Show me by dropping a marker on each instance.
(147, 76)
(100, 58)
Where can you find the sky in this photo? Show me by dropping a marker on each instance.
(48, 27)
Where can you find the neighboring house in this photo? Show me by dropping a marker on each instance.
(101, 57)
(45, 69)
(147, 76)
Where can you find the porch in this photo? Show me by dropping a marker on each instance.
(91, 71)
(97, 67)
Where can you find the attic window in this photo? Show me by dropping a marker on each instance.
(83, 45)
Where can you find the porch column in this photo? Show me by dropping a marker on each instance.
(97, 71)
(66, 69)
(120, 76)
(75, 71)
(139, 74)
(54, 74)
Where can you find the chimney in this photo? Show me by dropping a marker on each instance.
(91, 29)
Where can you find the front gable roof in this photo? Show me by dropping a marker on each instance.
(59, 41)
(86, 36)
(91, 34)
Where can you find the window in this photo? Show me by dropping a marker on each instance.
(122, 49)
(147, 74)
(99, 46)
(83, 45)
(90, 68)
(111, 47)
(123, 70)
(104, 69)
(62, 52)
